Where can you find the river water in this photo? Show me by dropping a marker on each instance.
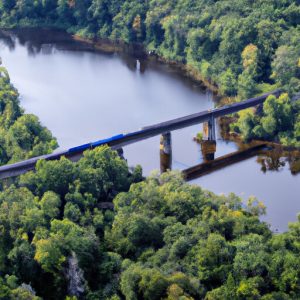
(83, 95)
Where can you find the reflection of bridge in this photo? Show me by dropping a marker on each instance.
(164, 129)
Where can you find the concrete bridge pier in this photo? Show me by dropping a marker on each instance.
(165, 152)
(209, 145)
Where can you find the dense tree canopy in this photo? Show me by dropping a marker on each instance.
(244, 47)
(279, 121)
(55, 214)
(164, 239)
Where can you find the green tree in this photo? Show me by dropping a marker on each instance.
(228, 83)
(50, 205)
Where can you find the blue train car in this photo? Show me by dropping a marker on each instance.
(108, 140)
(80, 148)
(87, 146)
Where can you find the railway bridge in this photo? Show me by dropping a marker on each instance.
(164, 129)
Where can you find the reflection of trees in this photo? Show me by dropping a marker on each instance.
(34, 45)
(40, 40)
(294, 165)
(8, 40)
(32, 49)
(276, 159)
(36, 48)
(131, 63)
(45, 41)
(270, 163)
(272, 160)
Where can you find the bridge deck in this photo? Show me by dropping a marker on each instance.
(121, 140)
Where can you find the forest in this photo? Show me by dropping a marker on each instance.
(243, 47)
(163, 239)
(278, 120)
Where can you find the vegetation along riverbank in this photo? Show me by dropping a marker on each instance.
(165, 239)
(243, 47)
(238, 48)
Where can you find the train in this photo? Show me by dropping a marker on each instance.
(96, 144)
(127, 138)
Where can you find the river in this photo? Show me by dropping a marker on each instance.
(83, 95)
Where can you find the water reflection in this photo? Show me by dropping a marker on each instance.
(8, 40)
(277, 160)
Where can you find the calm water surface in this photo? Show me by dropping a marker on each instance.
(83, 96)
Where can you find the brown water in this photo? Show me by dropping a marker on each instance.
(82, 96)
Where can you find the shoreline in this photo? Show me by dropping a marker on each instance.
(139, 51)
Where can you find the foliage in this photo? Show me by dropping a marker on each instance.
(165, 239)
(238, 45)
(279, 121)
(55, 212)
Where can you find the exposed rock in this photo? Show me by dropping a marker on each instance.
(75, 277)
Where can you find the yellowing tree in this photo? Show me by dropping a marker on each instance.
(48, 255)
(250, 56)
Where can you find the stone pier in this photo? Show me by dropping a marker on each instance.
(209, 145)
(165, 152)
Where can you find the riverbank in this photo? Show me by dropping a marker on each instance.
(108, 46)
(75, 42)
(227, 134)
(140, 52)
(137, 50)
